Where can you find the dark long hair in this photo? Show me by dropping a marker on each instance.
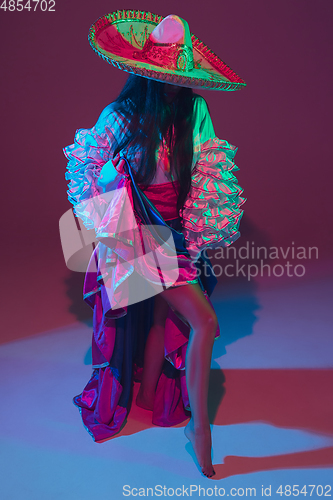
(149, 117)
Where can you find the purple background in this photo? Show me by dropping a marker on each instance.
(52, 84)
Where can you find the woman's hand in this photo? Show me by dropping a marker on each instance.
(110, 170)
(107, 175)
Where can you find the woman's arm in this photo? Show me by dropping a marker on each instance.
(212, 213)
(91, 150)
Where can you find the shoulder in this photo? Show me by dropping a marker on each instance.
(110, 120)
(109, 113)
(201, 114)
(200, 106)
(200, 111)
(202, 123)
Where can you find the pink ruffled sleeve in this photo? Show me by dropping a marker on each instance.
(212, 213)
(86, 157)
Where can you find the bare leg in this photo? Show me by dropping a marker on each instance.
(191, 303)
(154, 356)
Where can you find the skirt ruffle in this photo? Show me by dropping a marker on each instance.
(117, 359)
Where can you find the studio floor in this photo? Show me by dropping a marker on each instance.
(270, 404)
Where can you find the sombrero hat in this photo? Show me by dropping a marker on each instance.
(161, 49)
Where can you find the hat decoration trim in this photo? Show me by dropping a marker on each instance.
(175, 56)
(173, 63)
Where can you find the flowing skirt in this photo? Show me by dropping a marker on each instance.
(118, 340)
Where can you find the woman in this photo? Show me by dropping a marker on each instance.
(153, 153)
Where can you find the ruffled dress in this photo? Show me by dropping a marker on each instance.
(124, 260)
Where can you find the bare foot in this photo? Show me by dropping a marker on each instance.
(201, 440)
(144, 400)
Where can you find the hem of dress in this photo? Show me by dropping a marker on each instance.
(92, 292)
(114, 236)
(181, 283)
(101, 365)
(86, 428)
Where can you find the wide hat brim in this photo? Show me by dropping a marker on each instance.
(118, 38)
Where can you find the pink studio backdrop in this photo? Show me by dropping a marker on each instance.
(52, 84)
